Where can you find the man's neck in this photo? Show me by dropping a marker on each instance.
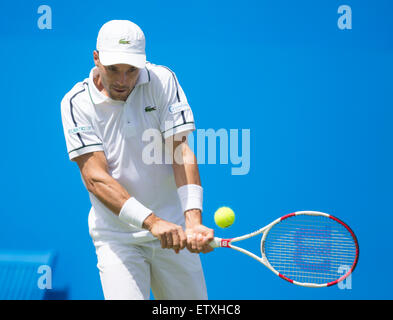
(99, 86)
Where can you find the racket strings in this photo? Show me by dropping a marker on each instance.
(310, 249)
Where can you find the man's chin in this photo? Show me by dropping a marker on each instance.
(119, 96)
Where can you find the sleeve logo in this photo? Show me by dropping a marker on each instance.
(77, 130)
(178, 107)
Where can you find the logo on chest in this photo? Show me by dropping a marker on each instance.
(150, 108)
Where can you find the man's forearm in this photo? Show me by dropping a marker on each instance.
(111, 193)
(190, 192)
(186, 170)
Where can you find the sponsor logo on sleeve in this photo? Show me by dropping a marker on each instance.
(178, 107)
(81, 129)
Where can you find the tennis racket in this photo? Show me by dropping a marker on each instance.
(306, 248)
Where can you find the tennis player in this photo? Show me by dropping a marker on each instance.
(139, 210)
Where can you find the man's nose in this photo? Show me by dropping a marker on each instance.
(122, 78)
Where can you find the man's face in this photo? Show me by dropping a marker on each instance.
(118, 80)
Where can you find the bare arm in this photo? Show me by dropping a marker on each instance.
(186, 171)
(94, 170)
(185, 168)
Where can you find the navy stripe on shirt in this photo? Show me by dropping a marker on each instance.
(72, 115)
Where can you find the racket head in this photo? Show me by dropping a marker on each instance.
(310, 248)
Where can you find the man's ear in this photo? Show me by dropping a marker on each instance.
(96, 58)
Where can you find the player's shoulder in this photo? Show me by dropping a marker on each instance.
(77, 95)
(159, 73)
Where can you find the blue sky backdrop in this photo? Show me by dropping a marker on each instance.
(317, 100)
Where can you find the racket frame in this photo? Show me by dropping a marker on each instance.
(228, 243)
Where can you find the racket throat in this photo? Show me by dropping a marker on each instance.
(225, 243)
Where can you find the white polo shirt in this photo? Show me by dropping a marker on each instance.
(94, 122)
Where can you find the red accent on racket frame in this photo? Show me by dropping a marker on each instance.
(285, 278)
(288, 216)
(225, 243)
(340, 279)
(357, 251)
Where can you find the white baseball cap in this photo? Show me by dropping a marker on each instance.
(121, 42)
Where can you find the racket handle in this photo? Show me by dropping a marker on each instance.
(215, 243)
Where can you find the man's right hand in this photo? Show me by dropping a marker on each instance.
(171, 236)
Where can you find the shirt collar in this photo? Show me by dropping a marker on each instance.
(144, 77)
(98, 97)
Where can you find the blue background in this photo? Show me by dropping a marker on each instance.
(318, 101)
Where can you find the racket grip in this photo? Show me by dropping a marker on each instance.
(216, 243)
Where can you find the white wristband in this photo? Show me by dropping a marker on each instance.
(191, 197)
(133, 212)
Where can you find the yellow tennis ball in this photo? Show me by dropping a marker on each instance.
(224, 217)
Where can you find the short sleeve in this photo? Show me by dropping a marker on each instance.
(80, 135)
(176, 114)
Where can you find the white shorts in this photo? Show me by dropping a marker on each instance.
(129, 271)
